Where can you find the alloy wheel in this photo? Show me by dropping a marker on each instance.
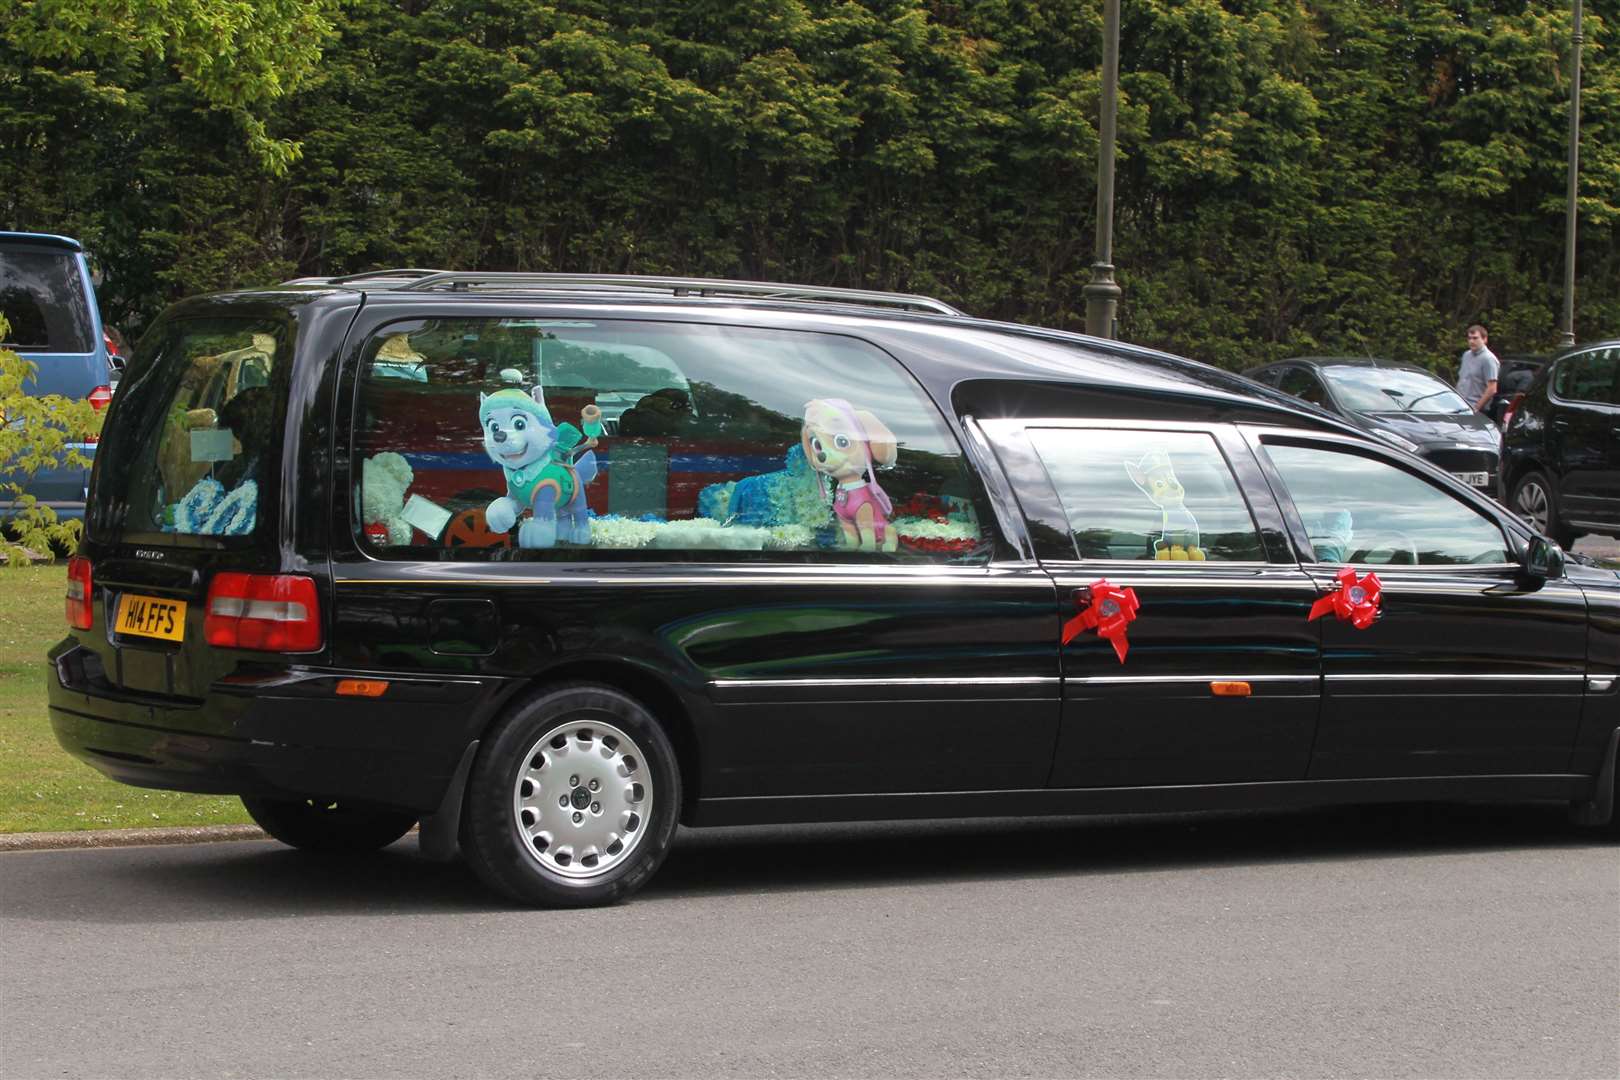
(582, 799)
(1531, 504)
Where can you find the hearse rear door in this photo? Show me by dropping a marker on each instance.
(1217, 677)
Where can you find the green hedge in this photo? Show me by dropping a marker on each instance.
(1314, 176)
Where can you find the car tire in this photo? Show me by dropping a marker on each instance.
(573, 799)
(328, 827)
(1535, 499)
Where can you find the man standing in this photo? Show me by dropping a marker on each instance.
(1476, 372)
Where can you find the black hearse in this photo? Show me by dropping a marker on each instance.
(549, 563)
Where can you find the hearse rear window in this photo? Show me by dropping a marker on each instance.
(196, 436)
(542, 438)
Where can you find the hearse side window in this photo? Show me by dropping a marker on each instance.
(580, 438)
(1364, 511)
(1148, 495)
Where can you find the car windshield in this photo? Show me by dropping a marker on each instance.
(1380, 389)
(44, 299)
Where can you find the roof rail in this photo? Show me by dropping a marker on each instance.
(466, 280)
(368, 275)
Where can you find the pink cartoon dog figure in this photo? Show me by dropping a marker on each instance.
(847, 445)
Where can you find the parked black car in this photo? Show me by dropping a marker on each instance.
(1561, 451)
(550, 563)
(1518, 371)
(1400, 403)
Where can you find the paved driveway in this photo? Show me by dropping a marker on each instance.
(1477, 942)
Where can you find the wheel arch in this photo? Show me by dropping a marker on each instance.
(1516, 472)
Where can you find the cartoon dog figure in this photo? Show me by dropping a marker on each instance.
(542, 474)
(846, 445)
(1178, 537)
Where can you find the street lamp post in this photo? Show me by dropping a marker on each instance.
(1574, 183)
(1102, 294)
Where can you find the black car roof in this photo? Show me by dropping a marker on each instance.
(1354, 361)
(944, 348)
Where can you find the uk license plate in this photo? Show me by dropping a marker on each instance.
(151, 616)
(1477, 479)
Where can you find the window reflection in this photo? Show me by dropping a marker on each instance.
(1360, 510)
(1162, 496)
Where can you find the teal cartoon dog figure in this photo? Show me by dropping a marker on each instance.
(547, 467)
(1178, 536)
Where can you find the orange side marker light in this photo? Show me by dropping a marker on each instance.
(362, 687)
(1230, 689)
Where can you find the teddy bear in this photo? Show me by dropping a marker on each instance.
(384, 479)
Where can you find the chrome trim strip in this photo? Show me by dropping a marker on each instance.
(1439, 677)
(988, 680)
(980, 579)
(1108, 680)
(1066, 580)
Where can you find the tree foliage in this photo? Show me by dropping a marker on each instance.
(1294, 175)
(236, 55)
(42, 432)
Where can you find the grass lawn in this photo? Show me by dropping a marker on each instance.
(42, 788)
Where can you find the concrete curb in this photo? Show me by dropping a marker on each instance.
(100, 838)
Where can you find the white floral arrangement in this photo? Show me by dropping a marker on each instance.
(614, 531)
(697, 534)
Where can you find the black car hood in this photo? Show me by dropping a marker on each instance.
(1472, 428)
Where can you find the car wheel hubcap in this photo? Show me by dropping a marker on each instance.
(582, 799)
(1533, 505)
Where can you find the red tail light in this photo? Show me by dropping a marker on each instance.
(1512, 407)
(267, 612)
(80, 594)
(100, 397)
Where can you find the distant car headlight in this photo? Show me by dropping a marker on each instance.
(1399, 440)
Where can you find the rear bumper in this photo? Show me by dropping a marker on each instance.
(277, 738)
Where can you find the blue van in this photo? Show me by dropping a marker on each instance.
(47, 295)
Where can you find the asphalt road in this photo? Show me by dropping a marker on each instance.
(1598, 547)
(1417, 941)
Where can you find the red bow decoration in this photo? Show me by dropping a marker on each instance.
(1355, 601)
(1108, 610)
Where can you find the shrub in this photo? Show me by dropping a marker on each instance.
(36, 432)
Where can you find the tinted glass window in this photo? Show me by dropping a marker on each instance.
(1150, 495)
(44, 299)
(1374, 389)
(196, 435)
(1303, 384)
(525, 438)
(1588, 376)
(1361, 510)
